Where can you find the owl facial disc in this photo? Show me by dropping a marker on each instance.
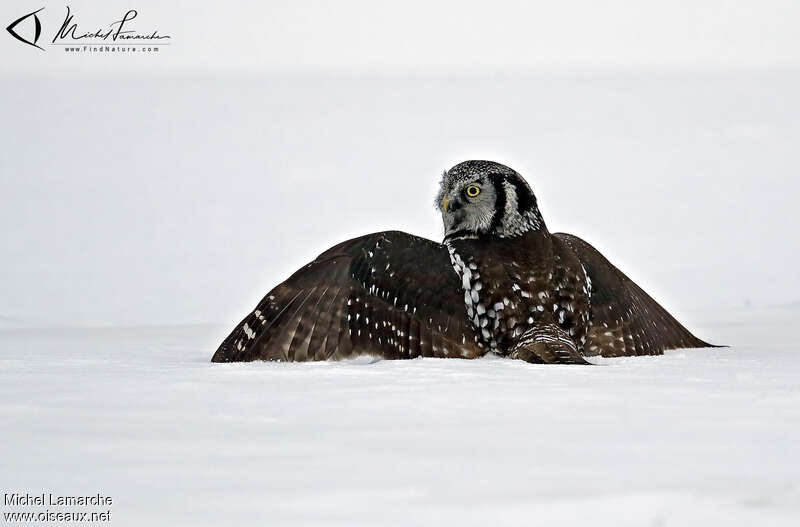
(478, 198)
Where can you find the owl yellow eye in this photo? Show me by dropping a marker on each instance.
(473, 190)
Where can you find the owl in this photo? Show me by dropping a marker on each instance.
(500, 282)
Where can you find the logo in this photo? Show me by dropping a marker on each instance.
(77, 36)
(37, 29)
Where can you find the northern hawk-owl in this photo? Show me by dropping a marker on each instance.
(500, 282)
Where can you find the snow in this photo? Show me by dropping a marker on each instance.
(176, 189)
(696, 437)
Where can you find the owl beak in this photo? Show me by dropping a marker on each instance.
(445, 203)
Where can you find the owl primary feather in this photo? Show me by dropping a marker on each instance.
(499, 282)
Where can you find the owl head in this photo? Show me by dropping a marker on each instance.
(484, 198)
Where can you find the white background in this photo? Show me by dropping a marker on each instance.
(177, 188)
(147, 202)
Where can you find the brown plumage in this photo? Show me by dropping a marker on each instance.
(625, 319)
(368, 295)
(500, 282)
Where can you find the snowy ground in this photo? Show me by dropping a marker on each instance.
(700, 437)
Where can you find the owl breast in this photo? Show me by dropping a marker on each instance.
(506, 292)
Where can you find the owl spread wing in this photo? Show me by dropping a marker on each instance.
(388, 294)
(625, 320)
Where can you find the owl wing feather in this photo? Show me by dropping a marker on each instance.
(625, 320)
(388, 294)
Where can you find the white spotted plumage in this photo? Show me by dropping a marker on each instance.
(515, 289)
